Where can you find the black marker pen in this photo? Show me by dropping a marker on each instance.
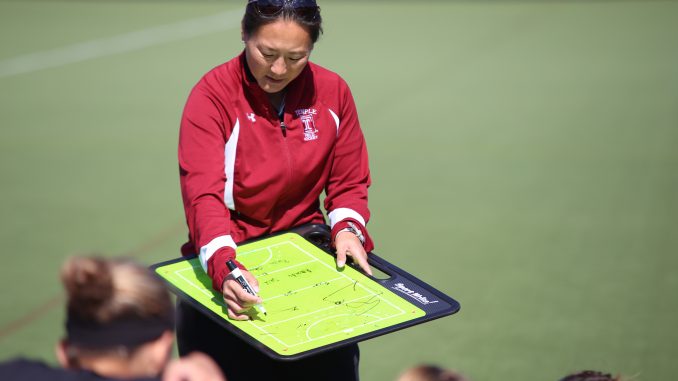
(237, 274)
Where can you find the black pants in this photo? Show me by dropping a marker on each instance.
(239, 361)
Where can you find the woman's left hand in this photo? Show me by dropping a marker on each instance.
(348, 244)
(196, 366)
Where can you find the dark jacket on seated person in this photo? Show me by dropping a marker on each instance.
(30, 370)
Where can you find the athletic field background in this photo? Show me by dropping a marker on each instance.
(524, 159)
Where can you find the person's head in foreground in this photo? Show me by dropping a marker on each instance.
(430, 373)
(591, 375)
(119, 319)
(279, 37)
(119, 326)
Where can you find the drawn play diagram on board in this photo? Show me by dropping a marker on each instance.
(310, 303)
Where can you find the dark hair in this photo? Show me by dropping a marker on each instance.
(428, 372)
(102, 290)
(591, 375)
(113, 304)
(253, 20)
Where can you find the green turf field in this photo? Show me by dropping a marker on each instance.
(530, 146)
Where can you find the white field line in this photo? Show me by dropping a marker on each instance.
(343, 330)
(289, 267)
(270, 256)
(122, 43)
(308, 330)
(347, 277)
(320, 310)
(270, 253)
(266, 333)
(263, 248)
(301, 289)
(263, 328)
(203, 291)
(209, 294)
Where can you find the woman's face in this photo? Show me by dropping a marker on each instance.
(276, 53)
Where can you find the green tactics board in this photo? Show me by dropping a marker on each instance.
(311, 304)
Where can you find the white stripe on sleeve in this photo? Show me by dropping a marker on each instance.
(229, 165)
(208, 250)
(336, 120)
(342, 213)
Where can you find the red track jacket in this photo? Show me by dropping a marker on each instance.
(245, 173)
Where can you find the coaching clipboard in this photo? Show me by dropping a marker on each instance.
(312, 306)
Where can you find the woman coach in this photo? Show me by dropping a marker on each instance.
(262, 136)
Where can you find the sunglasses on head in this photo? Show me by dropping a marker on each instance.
(307, 9)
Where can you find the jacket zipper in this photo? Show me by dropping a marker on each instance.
(288, 157)
(283, 128)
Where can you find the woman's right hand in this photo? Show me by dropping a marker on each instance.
(239, 301)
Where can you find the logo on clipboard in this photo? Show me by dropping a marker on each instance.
(413, 294)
